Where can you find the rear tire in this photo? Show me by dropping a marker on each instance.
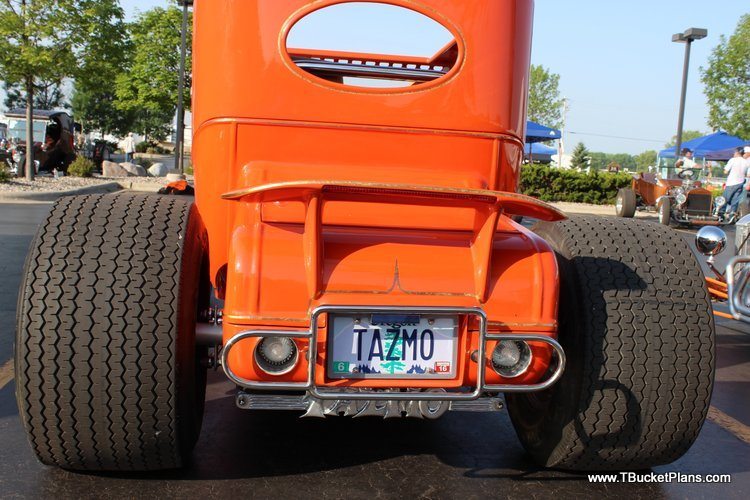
(636, 325)
(625, 203)
(108, 373)
(665, 211)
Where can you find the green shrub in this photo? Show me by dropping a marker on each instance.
(144, 162)
(150, 147)
(81, 167)
(555, 184)
(111, 146)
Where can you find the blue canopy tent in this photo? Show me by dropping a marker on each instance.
(539, 151)
(536, 133)
(540, 133)
(702, 147)
(724, 154)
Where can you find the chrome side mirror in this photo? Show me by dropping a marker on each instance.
(710, 241)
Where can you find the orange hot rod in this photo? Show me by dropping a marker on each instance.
(354, 219)
(682, 201)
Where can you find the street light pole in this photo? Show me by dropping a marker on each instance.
(688, 36)
(179, 146)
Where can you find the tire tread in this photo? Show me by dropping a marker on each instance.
(97, 328)
(648, 358)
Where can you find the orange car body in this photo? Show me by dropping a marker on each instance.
(316, 194)
(698, 208)
(650, 187)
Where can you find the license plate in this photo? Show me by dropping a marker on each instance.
(392, 346)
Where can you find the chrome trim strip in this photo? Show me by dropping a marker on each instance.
(335, 68)
(328, 393)
(247, 401)
(291, 402)
(483, 404)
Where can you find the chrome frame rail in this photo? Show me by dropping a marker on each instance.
(327, 393)
(734, 288)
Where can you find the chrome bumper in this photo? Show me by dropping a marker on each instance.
(317, 392)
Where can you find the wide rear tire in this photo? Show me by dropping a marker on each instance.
(625, 203)
(636, 324)
(108, 373)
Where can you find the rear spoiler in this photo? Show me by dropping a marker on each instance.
(500, 201)
(488, 204)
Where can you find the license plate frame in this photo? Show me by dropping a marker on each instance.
(444, 327)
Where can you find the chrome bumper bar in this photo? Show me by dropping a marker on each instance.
(328, 393)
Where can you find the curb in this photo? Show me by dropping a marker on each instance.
(144, 187)
(109, 187)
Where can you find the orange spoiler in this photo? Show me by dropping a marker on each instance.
(510, 203)
(488, 203)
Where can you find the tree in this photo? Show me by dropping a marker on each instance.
(545, 103)
(598, 160)
(626, 161)
(580, 158)
(47, 95)
(96, 109)
(687, 135)
(149, 87)
(36, 43)
(726, 81)
(645, 160)
(103, 58)
(602, 161)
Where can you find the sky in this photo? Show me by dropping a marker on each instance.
(618, 67)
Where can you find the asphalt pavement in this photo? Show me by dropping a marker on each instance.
(277, 455)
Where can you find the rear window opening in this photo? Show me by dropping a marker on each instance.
(372, 45)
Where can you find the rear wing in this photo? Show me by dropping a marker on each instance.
(498, 201)
(488, 204)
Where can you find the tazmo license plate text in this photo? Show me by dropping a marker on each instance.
(399, 346)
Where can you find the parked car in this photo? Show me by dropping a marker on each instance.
(359, 243)
(55, 150)
(683, 201)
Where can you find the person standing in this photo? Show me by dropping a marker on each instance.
(129, 147)
(736, 170)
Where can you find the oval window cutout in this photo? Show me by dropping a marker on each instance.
(370, 45)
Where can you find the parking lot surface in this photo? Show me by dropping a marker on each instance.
(262, 455)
